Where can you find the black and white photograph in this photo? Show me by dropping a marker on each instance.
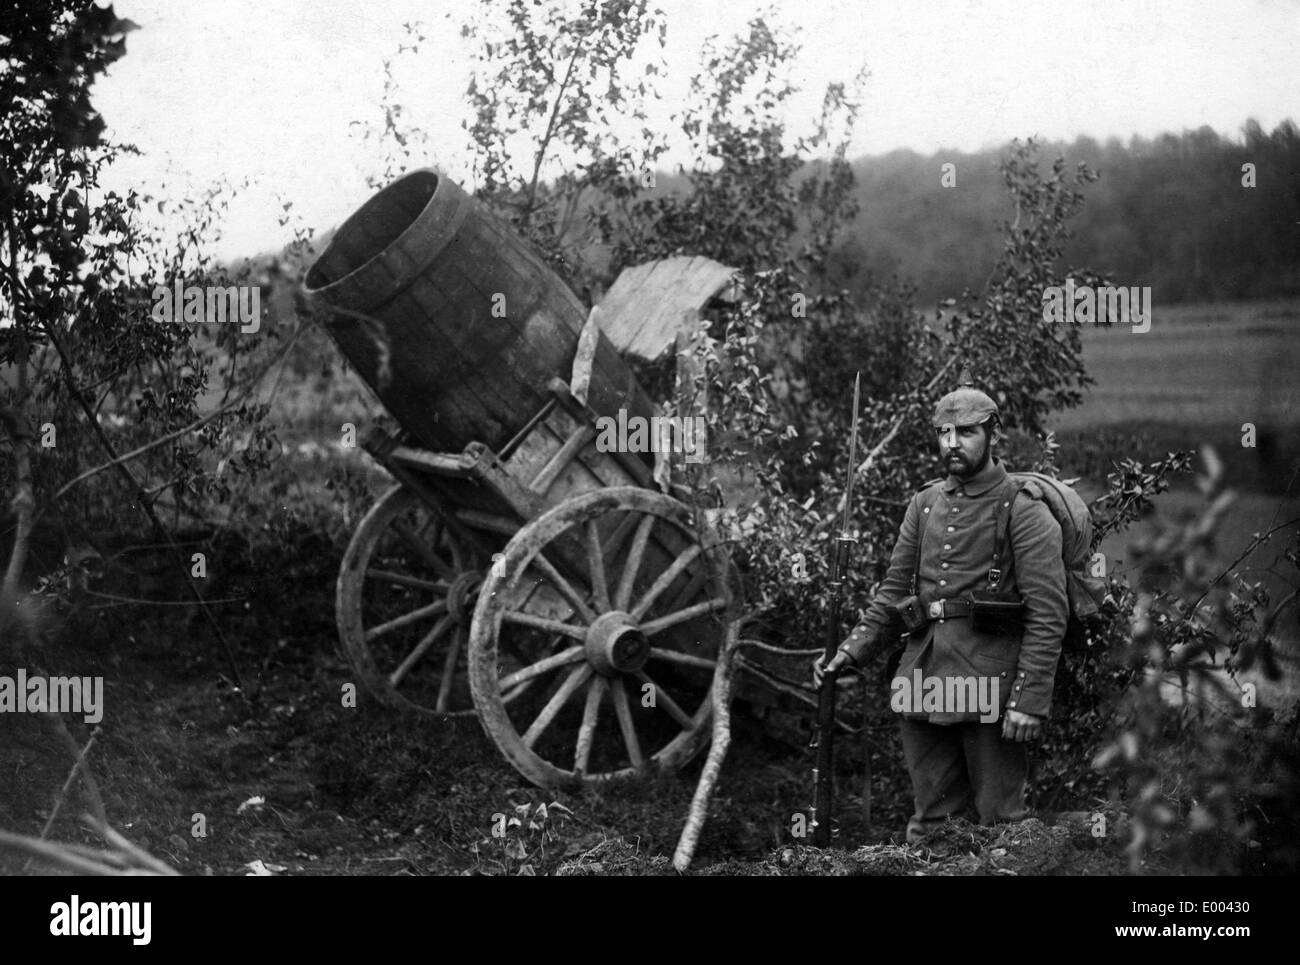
(648, 438)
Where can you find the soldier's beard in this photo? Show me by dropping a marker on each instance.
(962, 469)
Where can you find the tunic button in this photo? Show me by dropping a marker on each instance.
(947, 546)
(943, 566)
(943, 582)
(952, 529)
(926, 510)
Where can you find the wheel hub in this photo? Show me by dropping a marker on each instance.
(460, 597)
(615, 644)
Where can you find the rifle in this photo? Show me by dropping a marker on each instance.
(823, 738)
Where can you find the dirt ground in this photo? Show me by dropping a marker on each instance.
(295, 783)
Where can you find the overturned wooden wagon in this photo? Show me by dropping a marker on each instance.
(517, 569)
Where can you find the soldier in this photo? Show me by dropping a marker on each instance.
(944, 559)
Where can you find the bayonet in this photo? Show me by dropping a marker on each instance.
(823, 737)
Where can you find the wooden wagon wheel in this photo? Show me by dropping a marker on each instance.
(405, 593)
(612, 599)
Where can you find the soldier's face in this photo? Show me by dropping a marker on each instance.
(963, 449)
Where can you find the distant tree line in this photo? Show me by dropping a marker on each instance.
(1173, 212)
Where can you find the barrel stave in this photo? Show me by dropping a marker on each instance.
(423, 263)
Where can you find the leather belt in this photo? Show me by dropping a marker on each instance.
(948, 609)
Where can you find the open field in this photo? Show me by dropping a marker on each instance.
(1194, 379)
(1199, 365)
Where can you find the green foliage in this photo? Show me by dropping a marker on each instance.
(559, 115)
(83, 353)
(1194, 748)
(1030, 367)
(519, 837)
(1091, 681)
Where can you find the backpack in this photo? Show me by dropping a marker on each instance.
(1085, 593)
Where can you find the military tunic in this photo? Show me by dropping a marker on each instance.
(952, 757)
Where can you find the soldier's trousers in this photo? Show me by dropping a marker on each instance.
(954, 766)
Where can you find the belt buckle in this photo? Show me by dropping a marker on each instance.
(936, 609)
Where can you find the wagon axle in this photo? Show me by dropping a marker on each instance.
(462, 595)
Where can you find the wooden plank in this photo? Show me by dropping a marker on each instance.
(555, 459)
(637, 470)
(585, 357)
(643, 309)
(438, 463)
(488, 521)
(504, 486)
(580, 437)
(527, 430)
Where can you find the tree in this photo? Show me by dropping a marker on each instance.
(113, 392)
(51, 138)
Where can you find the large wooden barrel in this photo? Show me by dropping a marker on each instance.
(462, 323)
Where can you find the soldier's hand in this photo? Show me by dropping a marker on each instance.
(841, 661)
(1021, 727)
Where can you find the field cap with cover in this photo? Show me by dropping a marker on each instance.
(964, 406)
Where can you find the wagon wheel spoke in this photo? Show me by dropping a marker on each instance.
(681, 616)
(633, 564)
(683, 659)
(564, 587)
(663, 699)
(624, 714)
(665, 580)
(596, 567)
(543, 623)
(421, 648)
(614, 566)
(393, 608)
(619, 536)
(423, 550)
(406, 619)
(510, 693)
(433, 527)
(691, 588)
(577, 677)
(587, 732)
(401, 579)
(563, 658)
(449, 670)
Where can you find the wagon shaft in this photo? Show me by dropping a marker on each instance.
(453, 320)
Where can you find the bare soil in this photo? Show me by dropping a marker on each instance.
(297, 781)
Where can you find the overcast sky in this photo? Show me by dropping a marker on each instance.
(267, 90)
